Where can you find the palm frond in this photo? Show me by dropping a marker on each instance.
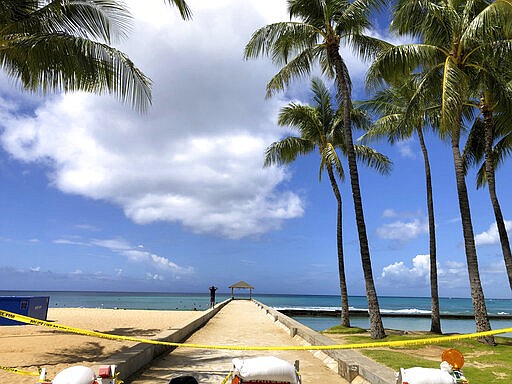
(415, 17)
(330, 156)
(299, 66)
(453, 91)
(183, 8)
(63, 62)
(367, 47)
(304, 118)
(373, 159)
(281, 41)
(390, 127)
(322, 99)
(310, 11)
(474, 149)
(354, 18)
(287, 150)
(104, 20)
(392, 64)
(493, 22)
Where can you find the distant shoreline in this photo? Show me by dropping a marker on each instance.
(364, 313)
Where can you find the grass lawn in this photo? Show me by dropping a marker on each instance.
(483, 364)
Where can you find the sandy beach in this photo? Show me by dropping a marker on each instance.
(28, 347)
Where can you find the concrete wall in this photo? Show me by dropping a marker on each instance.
(137, 357)
(352, 365)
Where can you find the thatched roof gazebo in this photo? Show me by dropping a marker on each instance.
(241, 285)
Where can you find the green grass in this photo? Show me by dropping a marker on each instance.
(483, 364)
(338, 329)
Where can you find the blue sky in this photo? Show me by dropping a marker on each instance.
(96, 197)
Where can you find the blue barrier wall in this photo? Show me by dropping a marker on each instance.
(32, 306)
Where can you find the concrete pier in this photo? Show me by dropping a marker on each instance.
(241, 323)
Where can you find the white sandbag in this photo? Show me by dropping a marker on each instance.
(75, 375)
(265, 368)
(419, 375)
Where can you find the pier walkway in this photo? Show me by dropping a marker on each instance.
(240, 322)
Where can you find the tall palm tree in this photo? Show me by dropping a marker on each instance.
(457, 37)
(390, 104)
(63, 45)
(320, 128)
(488, 144)
(314, 35)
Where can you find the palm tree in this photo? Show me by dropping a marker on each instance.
(320, 127)
(457, 37)
(390, 104)
(314, 35)
(489, 142)
(63, 45)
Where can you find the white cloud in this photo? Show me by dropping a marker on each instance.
(197, 157)
(399, 273)
(491, 236)
(389, 213)
(70, 242)
(405, 148)
(154, 276)
(137, 255)
(402, 230)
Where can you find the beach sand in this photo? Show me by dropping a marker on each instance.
(28, 347)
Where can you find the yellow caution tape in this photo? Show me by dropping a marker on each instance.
(227, 378)
(19, 371)
(432, 340)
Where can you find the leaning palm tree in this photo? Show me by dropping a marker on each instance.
(457, 37)
(488, 144)
(320, 128)
(390, 105)
(63, 45)
(314, 35)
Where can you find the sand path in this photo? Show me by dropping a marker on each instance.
(238, 323)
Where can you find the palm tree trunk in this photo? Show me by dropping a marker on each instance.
(344, 98)
(491, 183)
(477, 294)
(435, 325)
(345, 318)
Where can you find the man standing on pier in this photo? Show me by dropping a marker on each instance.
(212, 295)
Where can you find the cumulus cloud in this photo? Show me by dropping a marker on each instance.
(196, 158)
(398, 274)
(452, 275)
(491, 236)
(403, 230)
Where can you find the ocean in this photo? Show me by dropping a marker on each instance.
(200, 301)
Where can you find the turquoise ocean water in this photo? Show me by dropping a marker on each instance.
(198, 301)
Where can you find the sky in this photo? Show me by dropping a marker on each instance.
(95, 196)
